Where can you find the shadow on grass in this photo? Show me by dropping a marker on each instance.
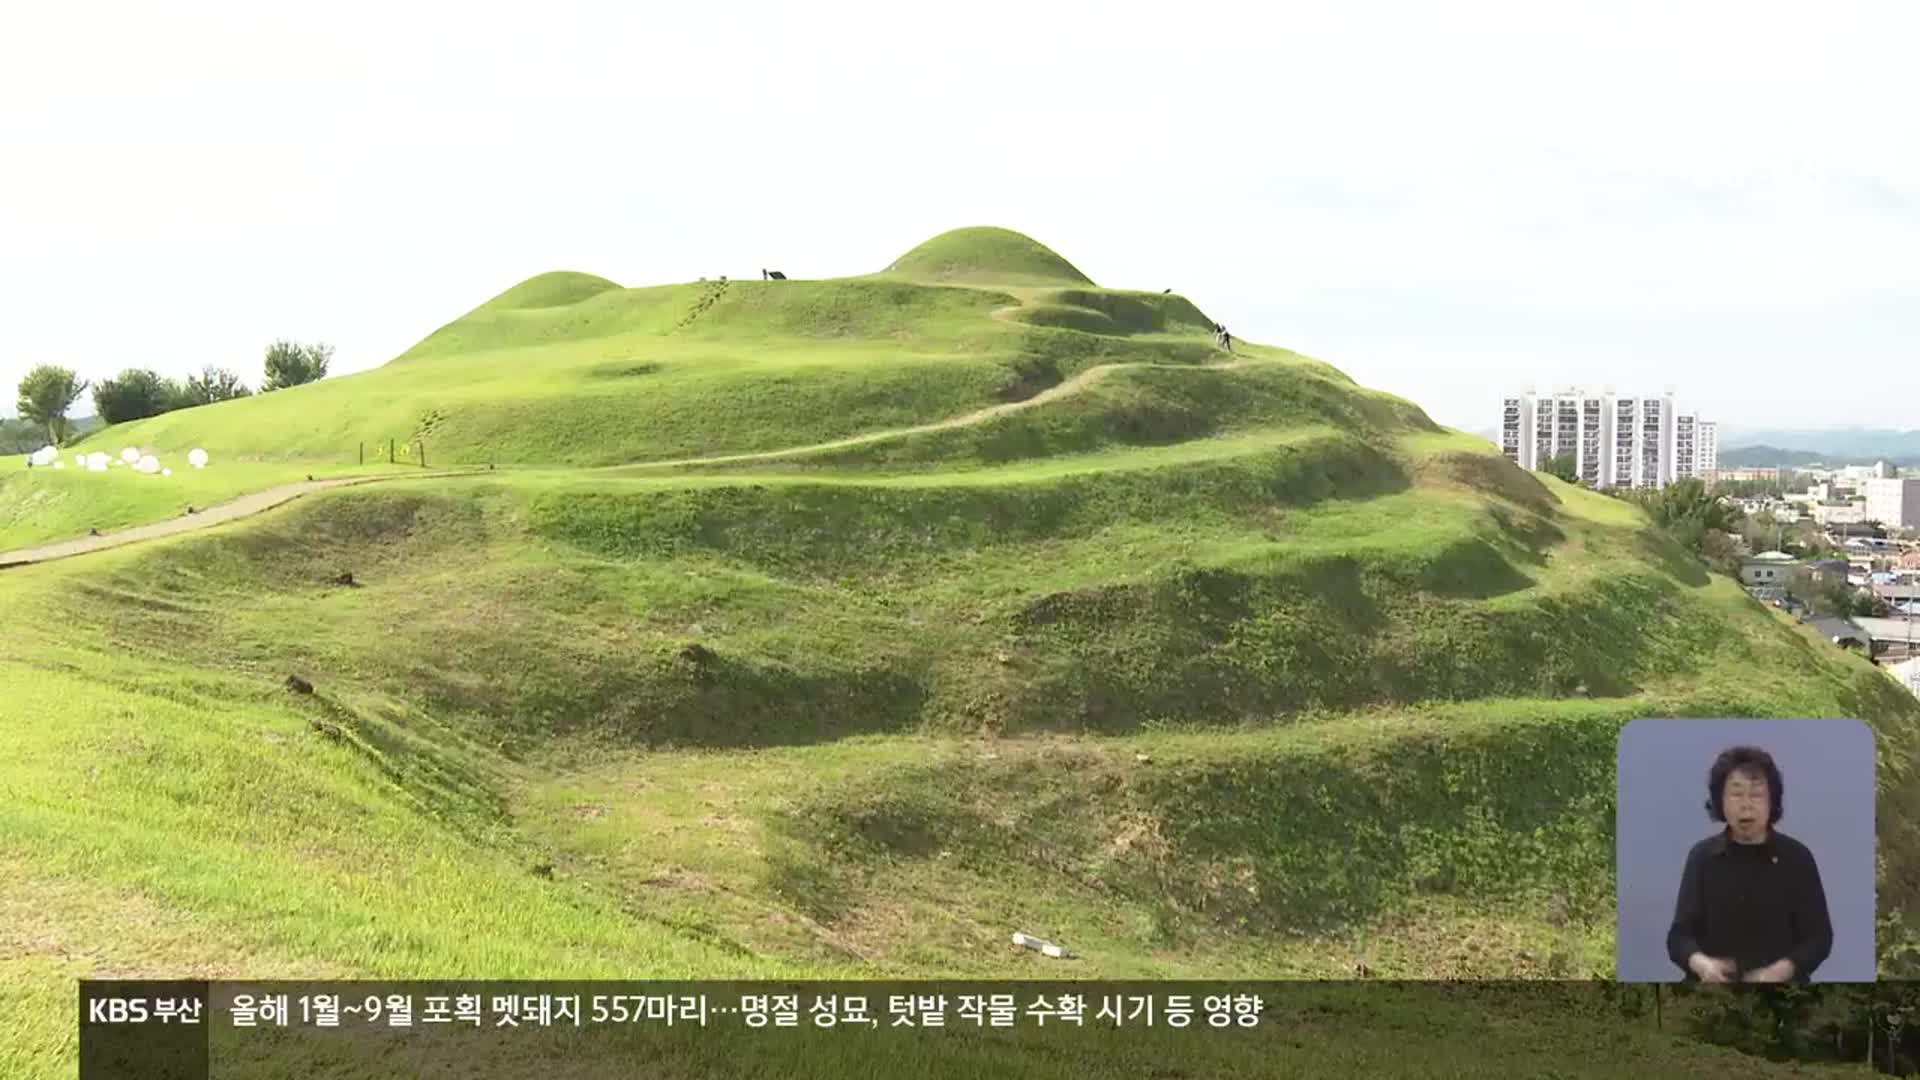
(1663, 550)
(449, 789)
(697, 698)
(1297, 841)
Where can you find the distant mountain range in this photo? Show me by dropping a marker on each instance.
(1747, 457)
(1833, 446)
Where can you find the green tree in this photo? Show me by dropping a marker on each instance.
(211, 385)
(135, 394)
(1762, 532)
(21, 437)
(1748, 489)
(1698, 518)
(1562, 466)
(46, 393)
(1717, 546)
(290, 364)
(1829, 595)
(1688, 510)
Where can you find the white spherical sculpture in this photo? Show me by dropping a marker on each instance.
(97, 461)
(197, 458)
(130, 456)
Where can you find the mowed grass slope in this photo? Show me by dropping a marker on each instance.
(1205, 671)
(960, 679)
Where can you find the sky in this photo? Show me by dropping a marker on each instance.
(1448, 202)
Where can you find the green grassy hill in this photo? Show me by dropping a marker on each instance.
(974, 622)
(986, 256)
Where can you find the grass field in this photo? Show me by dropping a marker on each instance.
(1208, 672)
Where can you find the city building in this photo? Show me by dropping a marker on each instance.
(1893, 501)
(1613, 441)
(1534, 429)
(1851, 513)
(1879, 470)
(1696, 447)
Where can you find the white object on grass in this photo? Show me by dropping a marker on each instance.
(149, 464)
(130, 455)
(97, 461)
(1045, 948)
(166, 472)
(197, 458)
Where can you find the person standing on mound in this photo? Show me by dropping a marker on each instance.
(1750, 907)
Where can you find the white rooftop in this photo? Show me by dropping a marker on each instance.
(1887, 629)
(1907, 673)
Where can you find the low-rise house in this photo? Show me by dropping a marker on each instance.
(1890, 637)
(1767, 568)
(1897, 593)
(1828, 569)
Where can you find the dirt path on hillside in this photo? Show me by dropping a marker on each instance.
(1067, 388)
(204, 518)
(261, 501)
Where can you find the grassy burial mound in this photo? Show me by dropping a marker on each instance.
(962, 623)
(986, 256)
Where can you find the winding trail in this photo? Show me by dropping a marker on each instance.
(258, 502)
(1065, 388)
(232, 510)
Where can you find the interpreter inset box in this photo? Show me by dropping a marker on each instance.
(1745, 851)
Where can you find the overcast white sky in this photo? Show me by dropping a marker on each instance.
(1446, 201)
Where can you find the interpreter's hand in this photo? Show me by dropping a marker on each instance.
(1713, 969)
(1777, 972)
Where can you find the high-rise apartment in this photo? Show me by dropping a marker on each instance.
(1696, 447)
(1614, 441)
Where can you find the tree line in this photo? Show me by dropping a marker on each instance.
(48, 391)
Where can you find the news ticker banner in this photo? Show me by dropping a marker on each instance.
(197, 1030)
(483, 1028)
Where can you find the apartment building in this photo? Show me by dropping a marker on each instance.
(1696, 447)
(1614, 441)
